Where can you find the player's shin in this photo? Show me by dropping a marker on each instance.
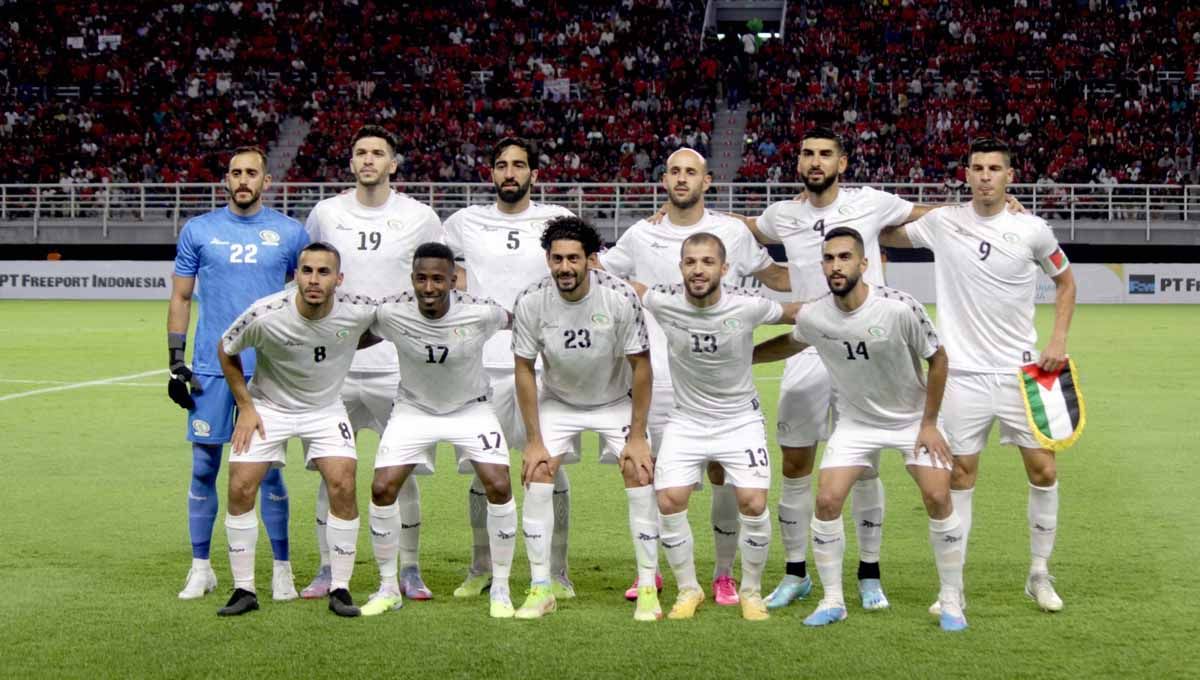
(202, 498)
(867, 504)
(538, 523)
(562, 522)
(502, 535)
(477, 514)
(963, 500)
(947, 538)
(385, 524)
(643, 527)
(1043, 525)
(795, 514)
(241, 533)
(343, 546)
(275, 512)
(725, 528)
(322, 512)
(408, 502)
(754, 541)
(829, 547)
(676, 536)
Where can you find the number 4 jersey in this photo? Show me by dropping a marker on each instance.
(441, 359)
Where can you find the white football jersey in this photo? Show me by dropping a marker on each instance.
(711, 349)
(301, 363)
(986, 279)
(650, 253)
(801, 228)
(873, 355)
(503, 255)
(441, 359)
(583, 344)
(377, 246)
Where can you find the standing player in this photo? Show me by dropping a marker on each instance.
(872, 339)
(986, 267)
(305, 340)
(589, 330)
(805, 394)
(241, 253)
(377, 230)
(716, 418)
(647, 253)
(499, 246)
(439, 335)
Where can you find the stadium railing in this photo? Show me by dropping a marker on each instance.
(611, 206)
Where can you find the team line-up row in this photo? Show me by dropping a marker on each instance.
(641, 343)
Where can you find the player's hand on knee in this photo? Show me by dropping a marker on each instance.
(248, 423)
(637, 454)
(534, 456)
(931, 441)
(178, 386)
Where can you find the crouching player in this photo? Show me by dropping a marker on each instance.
(305, 340)
(589, 329)
(872, 339)
(439, 334)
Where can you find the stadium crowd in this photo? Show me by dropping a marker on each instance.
(109, 92)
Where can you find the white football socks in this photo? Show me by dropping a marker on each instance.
(562, 522)
(538, 524)
(795, 514)
(1043, 525)
(343, 546)
(829, 548)
(677, 541)
(947, 538)
(963, 500)
(385, 541)
(408, 503)
(755, 541)
(241, 532)
(477, 513)
(643, 527)
(322, 509)
(502, 535)
(867, 511)
(725, 528)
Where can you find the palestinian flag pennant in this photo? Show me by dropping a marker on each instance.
(1053, 404)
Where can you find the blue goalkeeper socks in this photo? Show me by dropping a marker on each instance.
(275, 512)
(202, 497)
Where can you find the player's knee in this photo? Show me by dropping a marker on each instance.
(962, 477)
(937, 501)
(497, 487)
(241, 494)
(1045, 473)
(797, 461)
(341, 489)
(754, 506)
(384, 491)
(206, 463)
(828, 505)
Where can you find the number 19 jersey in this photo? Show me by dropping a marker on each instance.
(377, 246)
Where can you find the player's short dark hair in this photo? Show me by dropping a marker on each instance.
(704, 237)
(262, 155)
(435, 251)
(322, 247)
(850, 232)
(571, 228)
(375, 131)
(531, 152)
(990, 145)
(824, 133)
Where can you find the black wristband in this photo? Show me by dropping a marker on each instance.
(176, 344)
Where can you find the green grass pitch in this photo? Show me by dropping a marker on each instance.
(93, 541)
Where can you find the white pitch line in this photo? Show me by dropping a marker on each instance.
(89, 383)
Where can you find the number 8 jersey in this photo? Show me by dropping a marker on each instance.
(441, 359)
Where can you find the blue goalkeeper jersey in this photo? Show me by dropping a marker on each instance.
(238, 260)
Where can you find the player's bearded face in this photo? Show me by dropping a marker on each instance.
(686, 180)
(842, 265)
(317, 277)
(702, 268)
(820, 164)
(568, 264)
(246, 180)
(512, 175)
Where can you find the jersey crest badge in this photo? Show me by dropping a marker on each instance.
(269, 237)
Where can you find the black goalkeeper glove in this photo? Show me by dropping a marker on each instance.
(181, 375)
